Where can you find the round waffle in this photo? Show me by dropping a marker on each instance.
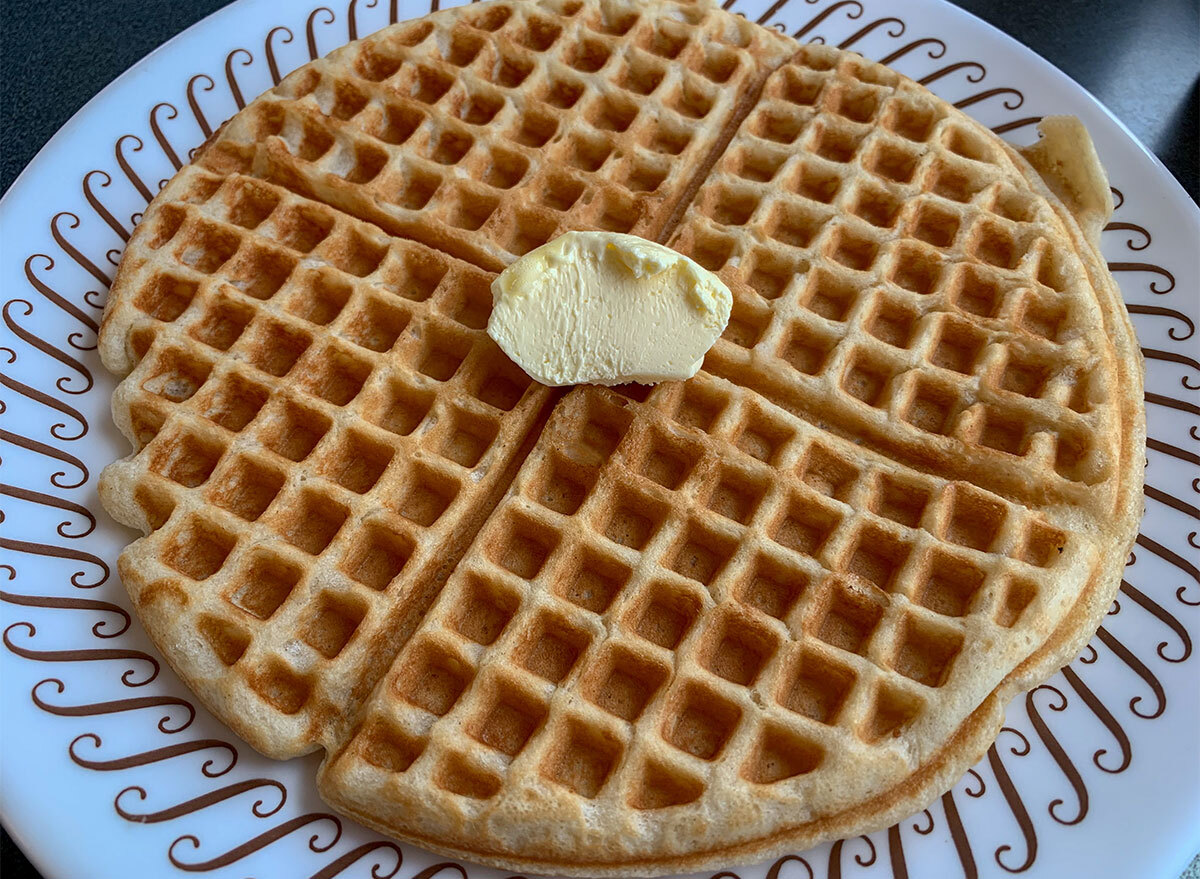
(639, 630)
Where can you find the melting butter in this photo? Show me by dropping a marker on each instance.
(606, 308)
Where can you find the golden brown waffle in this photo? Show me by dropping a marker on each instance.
(487, 132)
(784, 601)
(661, 654)
(900, 272)
(321, 422)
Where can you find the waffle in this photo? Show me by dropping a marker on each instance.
(901, 275)
(321, 422)
(488, 132)
(635, 630)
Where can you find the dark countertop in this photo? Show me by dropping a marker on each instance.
(1139, 57)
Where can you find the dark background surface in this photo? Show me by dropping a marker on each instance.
(1141, 58)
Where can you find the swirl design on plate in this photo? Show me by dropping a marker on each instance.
(269, 49)
(50, 500)
(230, 78)
(167, 724)
(204, 801)
(131, 677)
(101, 629)
(194, 105)
(156, 755)
(45, 347)
(46, 400)
(315, 842)
(1000, 777)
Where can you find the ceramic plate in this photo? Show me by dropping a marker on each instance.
(111, 769)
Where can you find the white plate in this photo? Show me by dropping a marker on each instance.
(110, 770)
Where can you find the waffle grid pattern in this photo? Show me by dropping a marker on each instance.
(892, 274)
(655, 597)
(311, 445)
(489, 134)
(773, 590)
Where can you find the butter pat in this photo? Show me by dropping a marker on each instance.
(605, 308)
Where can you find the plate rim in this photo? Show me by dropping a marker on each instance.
(83, 114)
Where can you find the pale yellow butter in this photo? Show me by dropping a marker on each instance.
(605, 308)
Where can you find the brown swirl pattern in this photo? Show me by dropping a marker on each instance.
(1147, 267)
(1020, 812)
(69, 249)
(315, 842)
(234, 89)
(60, 552)
(269, 49)
(201, 802)
(50, 500)
(167, 724)
(70, 308)
(224, 763)
(98, 206)
(194, 103)
(123, 162)
(44, 346)
(46, 400)
(131, 677)
(978, 72)
(101, 628)
(7, 437)
(321, 831)
(163, 143)
(1118, 732)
